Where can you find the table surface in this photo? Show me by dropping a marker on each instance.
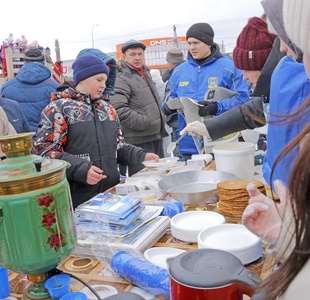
(97, 273)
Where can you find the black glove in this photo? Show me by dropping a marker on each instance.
(167, 111)
(208, 108)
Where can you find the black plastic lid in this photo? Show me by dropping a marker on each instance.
(125, 296)
(205, 268)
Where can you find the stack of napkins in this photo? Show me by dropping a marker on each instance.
(111, 209)
(97, 226)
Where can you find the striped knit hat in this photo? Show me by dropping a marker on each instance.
(296, 16)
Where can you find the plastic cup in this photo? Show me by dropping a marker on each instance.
(141, 273)
(58, 286)
(74, 296)
(4, 283)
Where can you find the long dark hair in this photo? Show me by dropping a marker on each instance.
(299, 189)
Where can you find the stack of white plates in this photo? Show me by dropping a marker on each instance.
(187, 225)
(233, 238)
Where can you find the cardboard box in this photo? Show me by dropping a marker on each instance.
(125, 188)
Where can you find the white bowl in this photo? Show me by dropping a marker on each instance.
(159, 255)
(102, 290)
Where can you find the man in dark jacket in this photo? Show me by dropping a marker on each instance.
(137, 103)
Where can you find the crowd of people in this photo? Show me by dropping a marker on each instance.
(20, 46)
(111, 118)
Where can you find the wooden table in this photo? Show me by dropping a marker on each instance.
(98, 273)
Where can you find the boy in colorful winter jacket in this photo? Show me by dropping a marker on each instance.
(82, 128)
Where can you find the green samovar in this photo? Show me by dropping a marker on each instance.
(37, 229)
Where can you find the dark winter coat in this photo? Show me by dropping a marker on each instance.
(138, 105)
(84, 133)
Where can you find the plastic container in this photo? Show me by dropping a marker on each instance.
(171, 208)
(4, 283)
(235, 158)
(141, 273)
(250, 135)
(58, 286)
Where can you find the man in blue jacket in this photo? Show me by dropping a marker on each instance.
(15, 115)
(205, 68)
(32, 87)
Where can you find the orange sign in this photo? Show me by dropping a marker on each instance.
(156, 50)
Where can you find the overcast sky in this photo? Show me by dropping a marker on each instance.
(72, 22)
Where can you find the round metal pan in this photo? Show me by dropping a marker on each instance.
(194, 187)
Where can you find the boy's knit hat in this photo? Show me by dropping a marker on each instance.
(86, 66)
(131, 44)
(34, 55)
(175, 56)
(254, 44)
(202, 32)
(296, 16)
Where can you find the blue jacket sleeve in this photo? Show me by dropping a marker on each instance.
(239, 85)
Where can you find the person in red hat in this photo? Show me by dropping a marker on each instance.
(253, 47)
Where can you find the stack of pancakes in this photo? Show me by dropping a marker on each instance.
(234, 197)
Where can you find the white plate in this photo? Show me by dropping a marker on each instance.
(233, 238)
(163, 162)
(102, 290)
(228, 237)
(196, 221)
(159, 255)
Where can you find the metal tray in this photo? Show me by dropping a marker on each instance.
(194, 187)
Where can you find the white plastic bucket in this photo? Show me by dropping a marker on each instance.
(236, 158)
